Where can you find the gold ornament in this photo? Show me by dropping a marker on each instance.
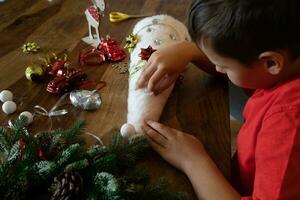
(131, 42)
(34, 72)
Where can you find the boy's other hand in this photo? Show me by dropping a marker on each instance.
(164, 66)
(176, 147)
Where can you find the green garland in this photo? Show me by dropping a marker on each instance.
(58, 160)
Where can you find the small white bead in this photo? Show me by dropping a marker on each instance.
(6, 95)
(127, 131)
(9, 107)
(28, 115)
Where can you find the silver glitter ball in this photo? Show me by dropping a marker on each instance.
(148, 29)
(155, 21)
(157, 41)
(173, 37)
(86, 99)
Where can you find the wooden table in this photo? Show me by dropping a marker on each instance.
(198, 106)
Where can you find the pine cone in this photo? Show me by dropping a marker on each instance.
(66, 186)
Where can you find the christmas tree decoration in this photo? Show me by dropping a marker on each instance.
(9, 107)
(127, 131)
(29, 117)
(30, 47)
(34, 72)
(93, 16)
(59, 160)
(6, 95)
(153, 33)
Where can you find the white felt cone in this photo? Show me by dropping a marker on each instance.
(157, 31)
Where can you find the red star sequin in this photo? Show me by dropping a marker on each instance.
(146, 53)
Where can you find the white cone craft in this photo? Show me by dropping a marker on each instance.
(157, 31)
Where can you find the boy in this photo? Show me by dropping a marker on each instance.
(256, 43)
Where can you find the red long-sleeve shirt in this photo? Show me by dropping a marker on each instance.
(268, 144)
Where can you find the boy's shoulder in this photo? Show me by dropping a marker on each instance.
(284, 96)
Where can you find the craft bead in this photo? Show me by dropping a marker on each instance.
(9, 107)
(6, 95)
(28, 115)
(127, 130)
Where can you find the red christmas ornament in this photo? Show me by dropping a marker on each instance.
(22, 147)
(40, 154)
(107, 50)
(146, 53)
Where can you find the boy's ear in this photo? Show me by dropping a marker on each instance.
(273, 61)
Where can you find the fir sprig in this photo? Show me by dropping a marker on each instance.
(30, 161)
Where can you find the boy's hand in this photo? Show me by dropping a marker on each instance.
(164, 67)
(176, 147)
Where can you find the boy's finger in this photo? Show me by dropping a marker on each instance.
(145, 76)
(165, 84)
(155, 136)
(158, 148)
(154, 80)
(160, 128)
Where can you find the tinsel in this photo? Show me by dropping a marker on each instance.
(108, 172)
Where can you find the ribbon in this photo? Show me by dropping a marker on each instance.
(95, 137)
(107, 50)
(52, 112)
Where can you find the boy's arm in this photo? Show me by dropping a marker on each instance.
(198, 58)
(208, 182)
(165, 65)
(186, 153)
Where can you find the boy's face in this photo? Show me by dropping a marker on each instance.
(250, 76)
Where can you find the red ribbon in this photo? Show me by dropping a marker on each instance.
(107, 50)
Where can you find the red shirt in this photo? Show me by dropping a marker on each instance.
(268, 144)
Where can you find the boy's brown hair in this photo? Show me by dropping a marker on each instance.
(242, 29)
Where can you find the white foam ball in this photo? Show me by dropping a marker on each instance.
(6, 95)
(127, 130)
(28, 115)
(9, 107)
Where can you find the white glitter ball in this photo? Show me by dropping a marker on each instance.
(9, 107)
(127, 130)
(6, 95)
(28, 115)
